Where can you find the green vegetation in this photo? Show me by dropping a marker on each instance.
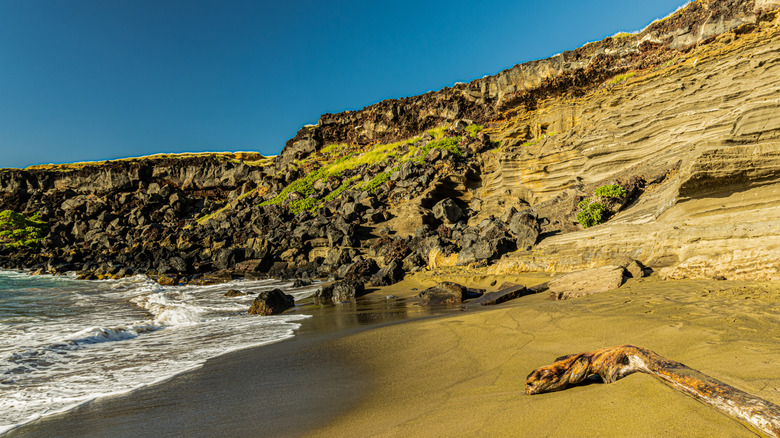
(376, 154)
(336, 193)
(621, 78)
(474, 129)
(449, 144)
(376, 182)
(202, 220)
(333, 150)
(16, 230)
(438, 132)
(610, 191)
(594, 211)
(338, 159)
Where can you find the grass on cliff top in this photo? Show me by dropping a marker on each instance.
(249, 158)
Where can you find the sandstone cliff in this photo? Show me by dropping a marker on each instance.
(683, 115)
(572, 72)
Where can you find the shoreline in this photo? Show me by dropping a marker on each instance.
(384, 367)
(266, 385)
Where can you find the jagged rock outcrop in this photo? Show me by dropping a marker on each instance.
(683, 116)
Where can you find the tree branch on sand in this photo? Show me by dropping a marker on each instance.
(614, 363)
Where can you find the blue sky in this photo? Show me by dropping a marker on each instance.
(94, 79)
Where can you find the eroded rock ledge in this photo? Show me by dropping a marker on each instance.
(682, 115)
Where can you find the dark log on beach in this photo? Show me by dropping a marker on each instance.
(614, 363)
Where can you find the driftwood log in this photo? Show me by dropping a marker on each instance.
(614, 363)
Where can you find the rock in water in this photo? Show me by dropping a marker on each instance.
(271, 302)
(234, 293)
(587, 282)
(339, 291)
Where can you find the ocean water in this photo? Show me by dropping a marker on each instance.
(64, 342)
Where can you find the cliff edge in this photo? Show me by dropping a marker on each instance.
(680, 120)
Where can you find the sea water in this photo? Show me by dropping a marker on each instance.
(64, 342)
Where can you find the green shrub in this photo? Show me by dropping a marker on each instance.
(299, 205)
(610, 191)
(17, 230)
(449, 144)
(376, 182)
(593, 211)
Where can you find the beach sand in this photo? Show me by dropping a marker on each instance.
(463, 375)
(351, 371)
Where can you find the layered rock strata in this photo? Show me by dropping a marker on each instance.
(683, 115)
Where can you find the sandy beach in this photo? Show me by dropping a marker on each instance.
(463, 375)
(354, 371)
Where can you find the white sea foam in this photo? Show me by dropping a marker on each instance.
(77, 340)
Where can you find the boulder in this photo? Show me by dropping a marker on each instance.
(635, 269)
(271, 302)
(539, 288)
(502, 295)
(447, 292)
(337, 257)
(178, 264)
(587, 282)
(362, 270)
(228, 257)
(525, 227)
(392, 273)
(252, 265)
(339, 291)
(234, 293)
(447, 211)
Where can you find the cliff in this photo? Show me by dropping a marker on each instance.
(573, 72)
(682, 116)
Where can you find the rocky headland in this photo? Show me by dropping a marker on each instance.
(655, 151)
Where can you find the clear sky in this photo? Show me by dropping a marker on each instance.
(100, 79)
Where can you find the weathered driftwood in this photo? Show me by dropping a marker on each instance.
(614, 363)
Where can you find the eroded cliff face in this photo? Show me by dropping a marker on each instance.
(703, 138)
(572, 73)
(684, 115)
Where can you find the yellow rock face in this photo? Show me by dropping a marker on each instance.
(709, 125)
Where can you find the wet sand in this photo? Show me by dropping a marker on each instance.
(279, 390)
(352, 372)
